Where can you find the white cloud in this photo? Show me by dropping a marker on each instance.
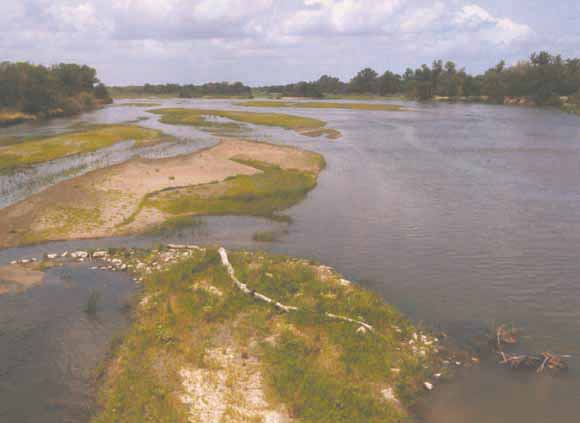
(501, 31)
(422, 18)
(343, 17)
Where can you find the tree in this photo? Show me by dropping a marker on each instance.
(365, 82)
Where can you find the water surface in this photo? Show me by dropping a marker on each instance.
(462, 216)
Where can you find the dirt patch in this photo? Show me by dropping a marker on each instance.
(17, 278)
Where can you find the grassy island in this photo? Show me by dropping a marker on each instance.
(39, 150)
(209, 120)
(323, 105)
(206, 345)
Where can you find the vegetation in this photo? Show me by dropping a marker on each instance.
(45, 149)
(545, 79)
(314, 368)
(209, 120)
(262, 194)
(322, 105)
(59, 90)
(269, 236)
(213, 89)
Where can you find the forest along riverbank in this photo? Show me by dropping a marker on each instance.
(234, 177)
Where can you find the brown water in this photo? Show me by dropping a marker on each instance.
(461, 215)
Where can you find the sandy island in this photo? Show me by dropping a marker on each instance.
(111, 201)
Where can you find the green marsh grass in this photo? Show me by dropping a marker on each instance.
(41, 150)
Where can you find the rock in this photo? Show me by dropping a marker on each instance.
(437, 375)
(395, 370)
(65, 254)
(428, 386)
(99, 254)
(51, 256)
(389, 394)
(344, 282)
(25, 261)
(14, 262)
(79, 254)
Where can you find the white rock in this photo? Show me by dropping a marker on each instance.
(51, 256)
(428, 386)
(65, 254)
(79, 254)
(25, 261)
(389, 394)
(13, 262)
(99, 254)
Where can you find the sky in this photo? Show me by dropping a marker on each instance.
(261, 42)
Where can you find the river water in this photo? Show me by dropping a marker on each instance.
(463, 216)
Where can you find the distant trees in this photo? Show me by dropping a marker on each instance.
(217, 89)
(56, 90)
(544, 78)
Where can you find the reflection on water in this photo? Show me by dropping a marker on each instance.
(461, 215)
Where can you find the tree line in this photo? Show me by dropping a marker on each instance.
(62, 89)
(212, 89)
(543, 79)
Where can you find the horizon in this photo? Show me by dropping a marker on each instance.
(269, 42)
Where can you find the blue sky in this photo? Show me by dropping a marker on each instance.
(275, 41)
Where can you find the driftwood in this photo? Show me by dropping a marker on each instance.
(286, 308)
(507, 335)
(530, 361)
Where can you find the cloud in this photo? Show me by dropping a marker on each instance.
(263, 41)
(344, 17)
(500, 31)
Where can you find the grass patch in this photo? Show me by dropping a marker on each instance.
(202, 118)
(41, 150)
(269, 236)
(13, 118)
(262, 194)
(320, 370)
(137, 104)
(322, 105)
(174, 224)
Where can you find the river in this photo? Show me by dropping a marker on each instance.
(463, 216)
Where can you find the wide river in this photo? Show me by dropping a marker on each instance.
(463, 216)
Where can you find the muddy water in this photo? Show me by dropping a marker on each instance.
(49, 347)
(461, 215)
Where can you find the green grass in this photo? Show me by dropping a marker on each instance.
(321, 370)
(41, 150)
(360, 97)
(202, 119)
(322, 105)
(262, 194)
(269, 236)
(137, 104)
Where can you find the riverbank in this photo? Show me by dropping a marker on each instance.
(245, 336)
(234, 177)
